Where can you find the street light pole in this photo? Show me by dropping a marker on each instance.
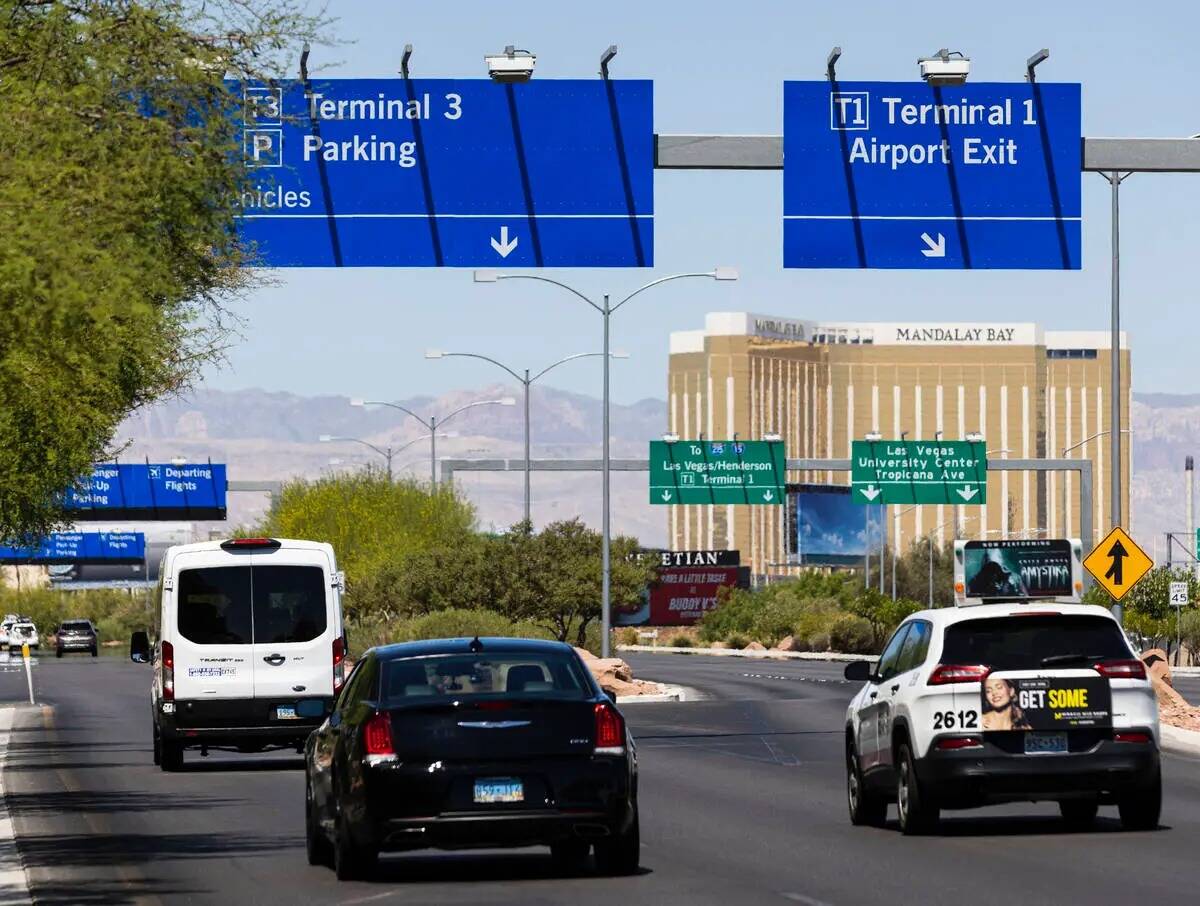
(606, 310)
(525, 386)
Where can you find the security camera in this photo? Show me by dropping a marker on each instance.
(511, 66)
(945, 68)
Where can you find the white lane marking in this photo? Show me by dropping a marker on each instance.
(802, 679)
(386, 895)
(14, 882)
(801, 898)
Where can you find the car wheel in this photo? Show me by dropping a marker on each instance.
(157, 744)
(1140, 808)
(351, 862)
(316, 844)
(570, 855)
(58, 652)
(865, 807)
(621, 855)
(1079, 813)
(917, 814)
(171, 755)
(94, 652)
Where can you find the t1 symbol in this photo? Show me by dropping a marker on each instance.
(850, 110)
(263, 147)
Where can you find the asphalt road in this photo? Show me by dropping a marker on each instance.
(742, 802)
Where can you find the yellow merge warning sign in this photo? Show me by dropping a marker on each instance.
(1118, 563)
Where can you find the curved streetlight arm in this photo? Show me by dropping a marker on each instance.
(654, 283)
(570, 358)
(416, 440)
(446, 418)
(358, 440)
(569, 289)
(395, 406)
(1067, 450)
(475, 355)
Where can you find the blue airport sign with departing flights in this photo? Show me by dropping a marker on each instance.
(149, 491)
(451, 172)
(80, 547)
(908, 175)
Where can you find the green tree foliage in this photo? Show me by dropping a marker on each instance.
(375, 524)
(912, 573)
(120, 182)
(1148, 615)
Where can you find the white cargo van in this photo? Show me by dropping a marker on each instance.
(249, 647)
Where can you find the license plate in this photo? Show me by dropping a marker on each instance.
(1045, 743)
(285, 712)
(501, 789)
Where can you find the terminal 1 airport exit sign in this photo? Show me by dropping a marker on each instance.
(717, 471)
(450, 173)
(918, 471)
(911, 175)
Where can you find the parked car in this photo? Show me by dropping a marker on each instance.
(75, 635)
(23, 633)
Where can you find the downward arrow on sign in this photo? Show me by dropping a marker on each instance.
(965, 492)
(934, 249)
(503, 246)
(666, 495)
(870, 492)
(768, 496)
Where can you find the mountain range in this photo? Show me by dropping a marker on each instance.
(265, 435)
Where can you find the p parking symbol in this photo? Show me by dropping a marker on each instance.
(263, 147)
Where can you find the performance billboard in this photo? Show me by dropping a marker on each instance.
(1022, 569)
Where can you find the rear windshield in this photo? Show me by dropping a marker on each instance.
(496, 676)
(77, 624)
(238, 605)
(1029, 642)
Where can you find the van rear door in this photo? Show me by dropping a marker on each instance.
(295, 624)
(212, 630)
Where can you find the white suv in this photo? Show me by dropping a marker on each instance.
(970, 706)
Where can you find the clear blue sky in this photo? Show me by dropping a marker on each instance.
(720, 68)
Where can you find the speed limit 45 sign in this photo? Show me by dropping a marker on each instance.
(1179, 594)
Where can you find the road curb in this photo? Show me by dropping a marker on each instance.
(769, 654)
(1179, 740)
(672, 694)
(1185, 671)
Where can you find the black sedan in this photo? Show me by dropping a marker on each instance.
(471, 743)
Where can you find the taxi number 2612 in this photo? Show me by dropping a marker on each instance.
(948, 720)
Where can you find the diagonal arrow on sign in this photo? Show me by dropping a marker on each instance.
(965, 492)
(502, 246)
(934, 249)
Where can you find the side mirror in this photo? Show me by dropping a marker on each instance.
(139, 648)
(859, 671)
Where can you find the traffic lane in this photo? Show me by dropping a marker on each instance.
(1188, 687)
(741, 801)
(738, 677)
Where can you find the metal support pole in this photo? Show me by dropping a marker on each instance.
(1114, 351)
(882, 547)
(433, 452)
(390, 453)
(605, 564)
(526, 385)
(930, 538)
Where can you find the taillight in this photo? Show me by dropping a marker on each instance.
(1130, 669)
(168, 672)
(339, 664)
(249, 544)
(960, 742)
(610, 730)
(944, 674)
(1131, 737)
(377, 734)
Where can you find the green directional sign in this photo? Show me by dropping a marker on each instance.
(919, 471)
(717, 471)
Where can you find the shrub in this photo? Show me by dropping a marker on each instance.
(627, 636)
(737, 640)
(116, 612)
(852, 634)
(683, 641)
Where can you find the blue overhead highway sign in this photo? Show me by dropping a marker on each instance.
(149, 491)
(451, 172)
(80, 547)
(907, 175)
